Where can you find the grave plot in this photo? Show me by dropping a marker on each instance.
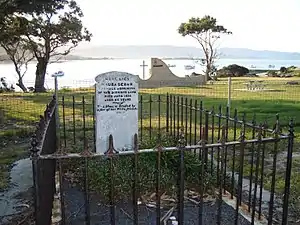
(129, 159)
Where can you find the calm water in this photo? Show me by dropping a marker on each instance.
(82, 73)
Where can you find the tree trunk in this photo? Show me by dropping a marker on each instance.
(40, 73)
(21, 85)
(207, 73)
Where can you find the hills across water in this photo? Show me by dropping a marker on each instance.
(178, 52)
(86, 51)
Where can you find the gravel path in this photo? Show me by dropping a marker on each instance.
(75, 212)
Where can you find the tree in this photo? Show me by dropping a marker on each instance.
(51, 32)
(283, 69)
(16, 49)
(20, 57)
(233, 70)
(206, 31)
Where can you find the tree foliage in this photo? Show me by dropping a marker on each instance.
(9, 7)
(233, 70)
(206, 31)
(283, 69)
(51, 31)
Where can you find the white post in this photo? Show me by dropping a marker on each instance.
(56, 75)
(229, 94)
(144, 65)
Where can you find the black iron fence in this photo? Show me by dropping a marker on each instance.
(43, 143)
(183, 155)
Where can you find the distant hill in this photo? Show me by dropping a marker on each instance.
(166, 51)
(4, 57)
(256, 54)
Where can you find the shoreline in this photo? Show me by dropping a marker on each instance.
(7, 61)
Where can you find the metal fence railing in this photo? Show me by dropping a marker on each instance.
(183, 155)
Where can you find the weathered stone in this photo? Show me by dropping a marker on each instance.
(292, 82)
(116, 110)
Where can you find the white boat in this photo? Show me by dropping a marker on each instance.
(171, 65)
(189, 67)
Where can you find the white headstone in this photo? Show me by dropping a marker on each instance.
(116, 110)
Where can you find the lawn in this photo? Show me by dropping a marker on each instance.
(21, 112)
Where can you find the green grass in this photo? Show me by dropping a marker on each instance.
(13, 146)
(282, 99)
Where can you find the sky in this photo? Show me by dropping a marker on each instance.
(255, 24)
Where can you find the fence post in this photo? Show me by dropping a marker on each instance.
(110, 154)
(35, 177)
(167, 112)
(276, 132)
(206, 139)
(241, 170)
(180, 180)
(259, 144)
(135, 182)
(158, 181)
(141, 117)
(288, 173)
(222, 174)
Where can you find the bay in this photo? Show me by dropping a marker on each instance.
(81, 73)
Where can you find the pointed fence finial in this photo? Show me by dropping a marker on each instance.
(181, 138)
(260, 132)
(86, 152)
(276, 127)
(34, 143)
(291, 127)
(111, 150)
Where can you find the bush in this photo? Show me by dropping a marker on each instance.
(4, 87)
(272, 73)
(283, 69)
(233, 70)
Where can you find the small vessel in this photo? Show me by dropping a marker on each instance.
(252, 66)
(171, 65)
(272, 66)
(189, 67)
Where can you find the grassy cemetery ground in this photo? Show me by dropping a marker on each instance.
(21, 111)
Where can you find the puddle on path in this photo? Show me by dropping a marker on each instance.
(21, 182)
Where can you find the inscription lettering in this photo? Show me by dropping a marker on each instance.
(115, 94)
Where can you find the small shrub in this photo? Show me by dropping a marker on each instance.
(4, 87)
(232, 70)
(283, 69)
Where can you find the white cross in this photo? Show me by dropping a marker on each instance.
(143, 65)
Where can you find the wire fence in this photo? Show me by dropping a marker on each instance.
(249, 95)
